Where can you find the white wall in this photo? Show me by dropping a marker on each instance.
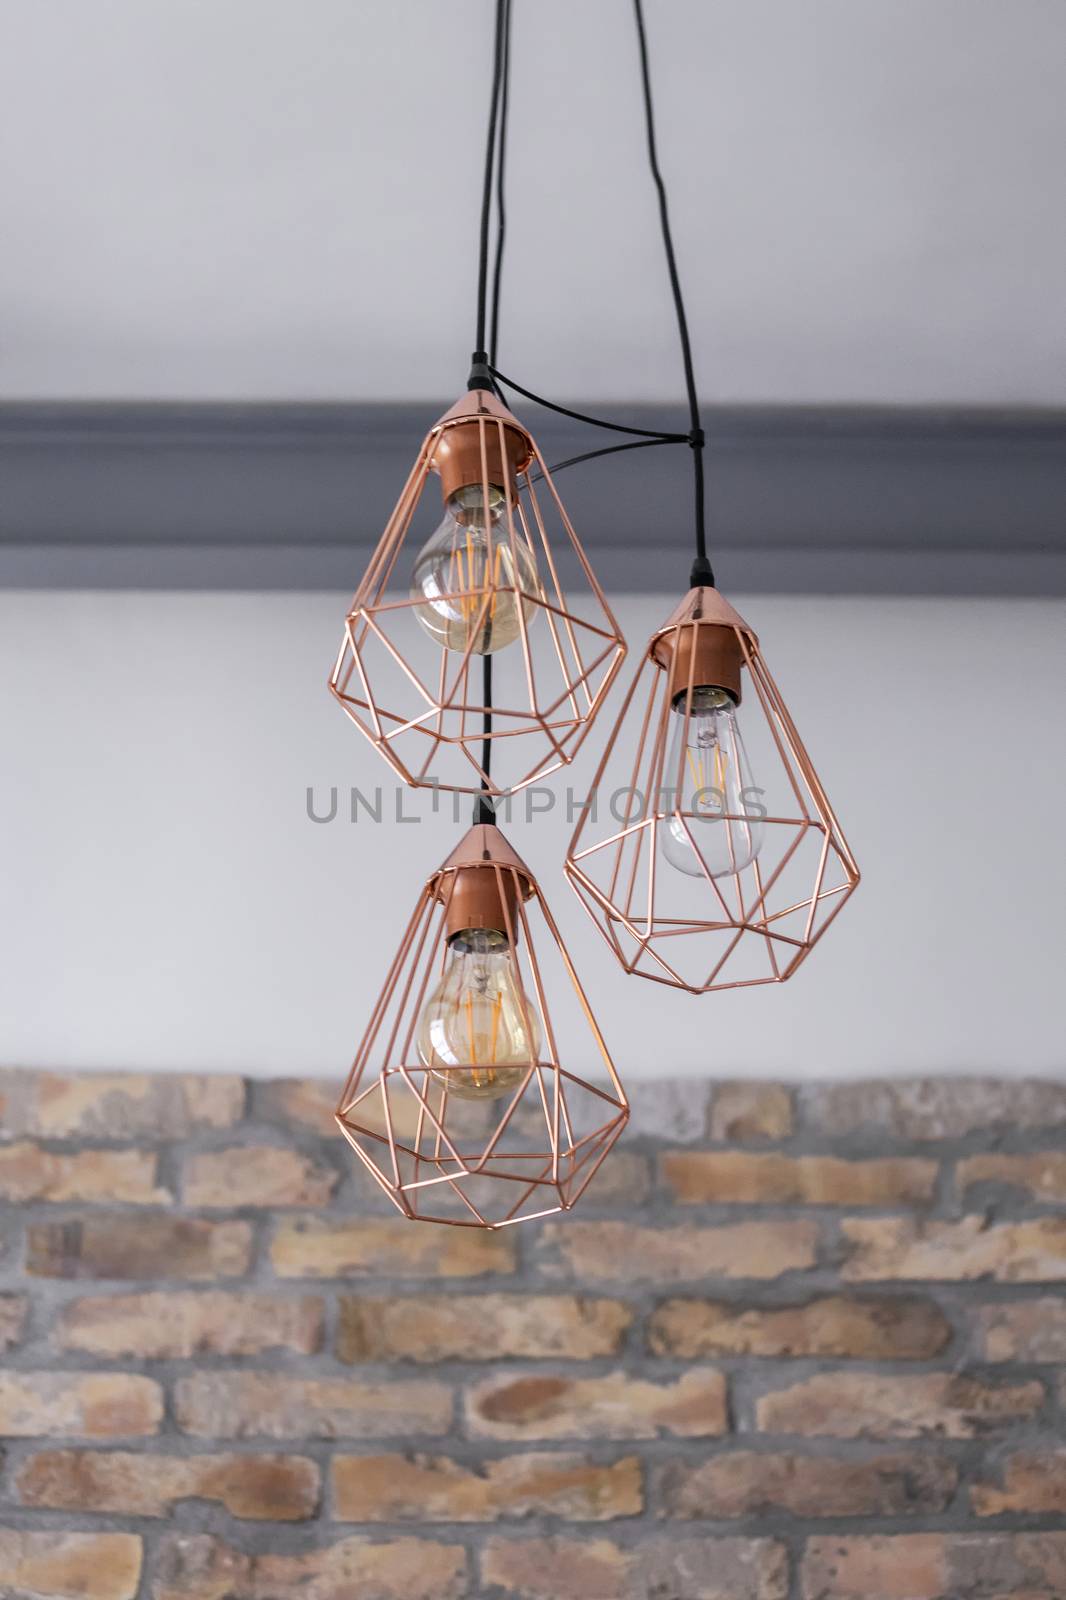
(256, 198)
(169, 905)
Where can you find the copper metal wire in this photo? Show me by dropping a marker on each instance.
(440, 1158)
(429, 726)
(753, 925)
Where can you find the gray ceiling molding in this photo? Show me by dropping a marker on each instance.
(825, 500)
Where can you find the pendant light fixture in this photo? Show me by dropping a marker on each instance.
(482, 585)
(720, 863)
(458, 1102)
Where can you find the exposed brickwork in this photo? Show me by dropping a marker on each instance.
(438, 1489)
(801, 1343)
(180, 1325)
(256, 1175)
(480, 1327)
(618, 1252)
(750, 1484)
(367, 1247)
(60, 1566)
(828, 1325)
(734, 1177)
(268, 1488)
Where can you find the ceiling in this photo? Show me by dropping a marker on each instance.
(252, 199)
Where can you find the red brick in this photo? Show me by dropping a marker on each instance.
(256, 1175)
(267, 1488)
(312, 1102)
(1042, 1177)
(615, 1406)
(936, 1566)
(28, 1173)
(618, 1252)
(731, 1177)
(181, 1325)
(884, 1567)
(479, 1327)
(852, 1405)
(101, 1405)
(829, 1325)
(302, 1103)
(1009, 1252)
(399, 1488)
(654, 1569)
(742, 1483)
(1029, 1481)
(624, 1179)
(387, 1247)
(117, 1105)
(54, 1565)
(1022, 1330)
(149, 1246)
(742, 1112)
(200, 1567)
(244, 1405)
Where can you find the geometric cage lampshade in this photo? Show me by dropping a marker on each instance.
(711, 858)
(459, 1103)
(489, 581)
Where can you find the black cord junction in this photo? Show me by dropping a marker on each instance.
(484, 367)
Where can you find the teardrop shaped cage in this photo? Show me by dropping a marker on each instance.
(440, 1157)
(421, 703)
(698, 928)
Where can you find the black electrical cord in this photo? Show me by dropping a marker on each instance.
(701, 568)
(701, 572)
(658, 434)
(594, 455)
(501, 160)
(495, 148)
(484, 373)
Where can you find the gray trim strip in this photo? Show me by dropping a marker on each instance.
(819, 500)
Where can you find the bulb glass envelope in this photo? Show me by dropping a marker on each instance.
(442, 1157)
(702, 927)
(420, 702)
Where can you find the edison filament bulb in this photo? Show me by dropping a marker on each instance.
(478, 1034)
(469, 585)
(712, 785)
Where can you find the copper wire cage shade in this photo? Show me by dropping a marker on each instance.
(788, 869)
(421, 703)
(475, 1162)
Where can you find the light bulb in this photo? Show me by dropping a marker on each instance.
(468, 558)
(710, 780)
(478, 1034)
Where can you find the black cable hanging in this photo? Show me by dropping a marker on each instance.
(701, 572)
(701, 567)
(484, 373)
(480, 369)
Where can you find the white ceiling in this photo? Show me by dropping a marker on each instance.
(258, 198)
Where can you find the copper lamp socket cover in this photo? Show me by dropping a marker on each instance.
(482, 898)
(458, 458)
(718, 655)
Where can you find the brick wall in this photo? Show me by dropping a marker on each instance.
(798, 1344)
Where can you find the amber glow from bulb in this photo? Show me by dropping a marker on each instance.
(478, 1033)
